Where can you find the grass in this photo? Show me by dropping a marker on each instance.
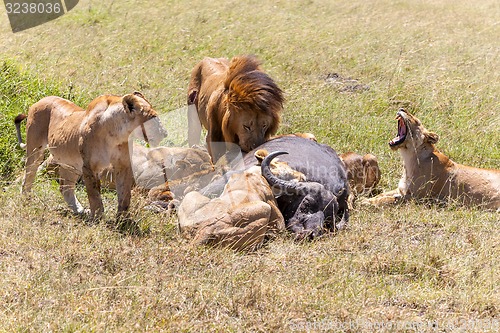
(412, 263)
(18, 90)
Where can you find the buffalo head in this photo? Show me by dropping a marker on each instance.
(306, 206)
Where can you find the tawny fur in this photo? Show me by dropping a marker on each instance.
(304, 135)
(85, 142)
(429, 174)
(235, 101)
(242, 216)
(363, 172)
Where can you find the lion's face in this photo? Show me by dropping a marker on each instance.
(411, 132)
(141, 111)
(138, 107)
(248, 127)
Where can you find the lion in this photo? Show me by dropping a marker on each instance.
(235, 101)
(170, 172)
(279, 168)
(363, 174)
(155, 166)
(304, 135)
(243, 215)
(429, 174)
(195, 172)
(85, 142)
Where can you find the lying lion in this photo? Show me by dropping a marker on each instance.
(363, 174)
(324, 178)
(242, 216)
(155, 166)
(235, 101)
(85, 142)
(429, 174)
(304, 135)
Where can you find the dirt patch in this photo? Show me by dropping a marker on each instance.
(345, 84)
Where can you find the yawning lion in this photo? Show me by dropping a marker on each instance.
(429, 174)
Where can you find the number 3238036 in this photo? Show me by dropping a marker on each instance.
(33, 8)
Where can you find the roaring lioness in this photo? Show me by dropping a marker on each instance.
(85, 142)
(429, 174)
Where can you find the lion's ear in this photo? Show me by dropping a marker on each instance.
(131, 103)
(138, 93)
(432, 137)
(260, 155)
(192, 97)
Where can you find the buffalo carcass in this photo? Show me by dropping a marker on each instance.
(305, 207)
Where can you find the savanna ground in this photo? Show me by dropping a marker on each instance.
(345, 66)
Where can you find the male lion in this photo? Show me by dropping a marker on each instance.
(429, 174)
(235, 101)
(85, 142)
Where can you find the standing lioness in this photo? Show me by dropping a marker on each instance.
(85, 142)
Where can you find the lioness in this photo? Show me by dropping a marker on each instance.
(429, 174)
(243, 215)
(239, 219)
(85, 142)
(235, 101)
(154, 166)
(363, 174)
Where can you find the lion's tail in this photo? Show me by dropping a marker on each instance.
(18, 121)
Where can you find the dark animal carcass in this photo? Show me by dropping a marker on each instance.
(317, 204)
(320, 202)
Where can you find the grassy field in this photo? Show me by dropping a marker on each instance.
(345, 66)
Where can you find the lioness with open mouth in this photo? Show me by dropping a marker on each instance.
(429, 174)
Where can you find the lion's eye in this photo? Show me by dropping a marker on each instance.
(246, 127)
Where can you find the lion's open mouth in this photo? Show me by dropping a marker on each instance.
(401, 132)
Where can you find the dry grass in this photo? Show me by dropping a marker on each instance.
(411, 263)
(400, 264)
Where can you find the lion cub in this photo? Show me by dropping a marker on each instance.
(363, 174)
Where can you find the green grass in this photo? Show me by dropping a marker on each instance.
(410, 263)
(18, 90)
